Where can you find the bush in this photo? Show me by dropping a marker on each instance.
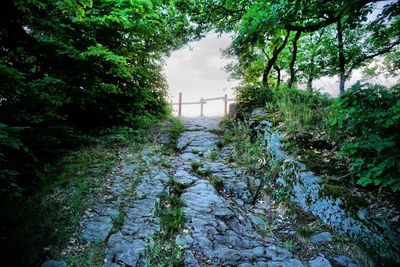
(251, 95)
(300, 110)
(369, 116)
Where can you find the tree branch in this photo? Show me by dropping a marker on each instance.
(371, 56)
(272, 61)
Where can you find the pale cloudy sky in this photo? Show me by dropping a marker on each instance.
(197, 71)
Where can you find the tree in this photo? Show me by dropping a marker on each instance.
(70, 68)
(272, 26)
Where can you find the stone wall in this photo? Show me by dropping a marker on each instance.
(306, 192)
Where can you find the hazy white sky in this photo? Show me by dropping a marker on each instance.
(197, 71)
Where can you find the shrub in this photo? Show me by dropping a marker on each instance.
(251, 95)
(370, 117)
(301, 110)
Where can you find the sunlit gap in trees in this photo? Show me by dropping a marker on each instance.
(197, 70)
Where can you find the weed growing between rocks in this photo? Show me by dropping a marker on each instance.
(307, 230)
(213, 155)
(164, 251)
(203, 172)
(165, 163)
(118, 221)
(173, 130)
(196, 165)
(197, 168)
(218, 183)
(197, 152)
(289, 245)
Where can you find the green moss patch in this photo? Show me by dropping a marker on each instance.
(350, 202)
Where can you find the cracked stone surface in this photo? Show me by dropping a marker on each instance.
(222, 226)
(219, 233)
(127, 247)
(137, 195)
(99, 221)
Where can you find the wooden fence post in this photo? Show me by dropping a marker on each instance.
(201, 108)
(180, 105)
(226, 104)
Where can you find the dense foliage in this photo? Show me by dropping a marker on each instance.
(71, 68)
(370, 117)
(303, 40)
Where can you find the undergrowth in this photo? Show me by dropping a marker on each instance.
(363, 124)
(40, 225)
(250, 153)
(367, 118)
(92, 255)
(300, 110)
(52, 215)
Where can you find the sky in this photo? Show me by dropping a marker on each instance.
(197, 70)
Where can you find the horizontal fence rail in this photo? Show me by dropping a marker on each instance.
(201, 103)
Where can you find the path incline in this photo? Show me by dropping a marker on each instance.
(218, 231)
(220, 226)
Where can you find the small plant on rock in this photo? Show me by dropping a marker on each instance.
(213, 155)
(218, 183)
(204, 172)
(196, 165)
(289, 245)
(306, 230)
(220, 144)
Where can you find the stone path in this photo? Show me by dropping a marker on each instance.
(218, 231)
(223, 223)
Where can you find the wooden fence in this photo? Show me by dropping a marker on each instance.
(202, 102)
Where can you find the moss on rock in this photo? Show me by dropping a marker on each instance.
(350, 201)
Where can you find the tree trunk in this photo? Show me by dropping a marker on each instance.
(342, 60)
(278, 75)
(294, 56)
(309, 83)
(272, 61)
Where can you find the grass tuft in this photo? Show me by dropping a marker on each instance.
(218, 183)
(196, 165)
(174, 130)
(213, 155)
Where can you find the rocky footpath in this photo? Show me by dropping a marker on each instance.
(224, 225)
(217, 231)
